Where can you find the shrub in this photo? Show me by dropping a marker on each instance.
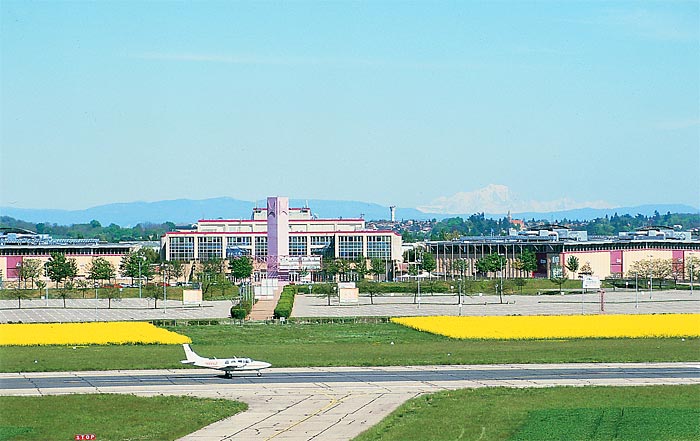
(285, 303)
(241, 311)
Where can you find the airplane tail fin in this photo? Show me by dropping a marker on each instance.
(192, 356)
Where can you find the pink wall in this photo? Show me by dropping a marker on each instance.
(11, 270)
(616, 262)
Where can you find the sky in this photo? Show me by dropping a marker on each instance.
(446, 106)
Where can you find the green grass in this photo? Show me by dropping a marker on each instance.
(109, 417)
(561, 413)
(174, 293)
(347, 344)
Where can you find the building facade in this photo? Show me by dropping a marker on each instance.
(607, 257)
(17, 245)
(282, 240)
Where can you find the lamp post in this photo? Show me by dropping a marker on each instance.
(140, 259)
(691, 267)
(501, 257)
(335, 288)
(651, 276)
(165, 292)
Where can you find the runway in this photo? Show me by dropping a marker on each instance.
(334, 403)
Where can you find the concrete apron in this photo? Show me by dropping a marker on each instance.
(336, 410)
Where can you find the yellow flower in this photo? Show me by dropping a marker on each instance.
(97, 333)
(560, 326)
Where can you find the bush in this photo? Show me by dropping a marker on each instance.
(286, 302)
(241, 311)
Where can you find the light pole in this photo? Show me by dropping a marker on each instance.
(165, 292)
(651, 276)
(691, 277)
(140, 259)
(636, 290)
(500, 286)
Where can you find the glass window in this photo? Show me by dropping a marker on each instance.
(261, 246)
(182, 248)
(379, 246)
(209, 247)
(297, 245)
(349, 247)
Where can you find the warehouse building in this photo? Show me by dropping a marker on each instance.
(606, 257)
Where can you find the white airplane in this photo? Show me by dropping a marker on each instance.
(227, 365)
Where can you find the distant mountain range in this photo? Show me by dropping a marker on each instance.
(186, 211)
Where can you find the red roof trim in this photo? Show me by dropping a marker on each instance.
(291, 233)
(290, 220)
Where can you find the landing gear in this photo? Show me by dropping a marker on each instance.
(227, 374)
(259, 374)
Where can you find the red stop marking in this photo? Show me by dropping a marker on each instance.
(85, 437)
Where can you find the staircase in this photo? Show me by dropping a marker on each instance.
(264, 309)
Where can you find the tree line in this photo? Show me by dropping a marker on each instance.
(479, 225)
(93, 230)
(447, 229)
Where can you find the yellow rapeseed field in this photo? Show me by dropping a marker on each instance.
(98, 333)
(559, 326)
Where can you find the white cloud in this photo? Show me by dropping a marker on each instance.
(498, 199)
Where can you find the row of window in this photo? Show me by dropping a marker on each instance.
(210, 247)
(66, 251)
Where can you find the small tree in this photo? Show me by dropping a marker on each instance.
(29, 270)
(343, 268)
(429, 263)
(360, 267)
(692, 269)
(586, 269)
(19, 294)
(460, 266)
(241, 267)
(138, 264)
(572, 264)
(211, 274)
(112, 293)
(520, 283)
(83, 286)
(377, 268)
(154, 292)
(528, 261)
(177, 269)
(558, 277)
(329, 268)
(68, 288)
(58, 268)
(101, 269)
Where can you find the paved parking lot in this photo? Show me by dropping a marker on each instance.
(79, 310)
(616, 302)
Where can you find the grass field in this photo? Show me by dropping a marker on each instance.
(562, 413)
(109, 417)
(385, 344)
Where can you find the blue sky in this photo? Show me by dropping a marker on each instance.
(450, 106)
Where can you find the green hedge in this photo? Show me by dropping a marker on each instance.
(241, 311)
(286, 302)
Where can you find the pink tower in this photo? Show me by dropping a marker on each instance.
(277, 235)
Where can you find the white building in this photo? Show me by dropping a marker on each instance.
(285, 239)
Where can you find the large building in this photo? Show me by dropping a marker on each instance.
(16, 245)
(283, 241)
(607, 257)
